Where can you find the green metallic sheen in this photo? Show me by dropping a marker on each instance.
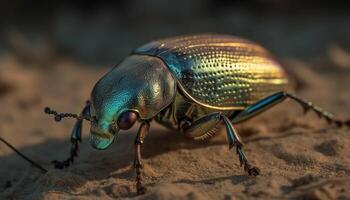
(139, 83)
(184, 78)
(219, 71)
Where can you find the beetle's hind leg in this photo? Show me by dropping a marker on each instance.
(308, 105)
(268, 102)
(200, 128)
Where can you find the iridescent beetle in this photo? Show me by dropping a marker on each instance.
(192, 84)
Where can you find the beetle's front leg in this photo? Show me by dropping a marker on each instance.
(75, 139)
(143, 131)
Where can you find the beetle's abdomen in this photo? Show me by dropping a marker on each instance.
(219, 71)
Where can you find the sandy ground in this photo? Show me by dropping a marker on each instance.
(300, 157)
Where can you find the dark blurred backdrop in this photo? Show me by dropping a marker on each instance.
(103, 33)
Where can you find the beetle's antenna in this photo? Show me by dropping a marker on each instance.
(60, 116)
(23, 156)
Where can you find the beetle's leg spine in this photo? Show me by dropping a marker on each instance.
(202, 128)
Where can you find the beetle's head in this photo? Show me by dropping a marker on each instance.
(111, 109)
(106, 122)
(138, 88)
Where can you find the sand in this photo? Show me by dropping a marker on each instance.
(300, 157)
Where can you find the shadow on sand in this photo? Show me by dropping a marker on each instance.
(91, 164)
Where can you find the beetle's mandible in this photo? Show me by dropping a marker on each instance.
(193, 84)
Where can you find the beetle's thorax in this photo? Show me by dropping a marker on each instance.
(139, 83)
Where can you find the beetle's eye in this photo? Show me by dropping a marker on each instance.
(126, 120)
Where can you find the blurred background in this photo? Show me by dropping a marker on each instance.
(103, 33)
(53, 52)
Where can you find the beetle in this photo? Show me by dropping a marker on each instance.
(193, 84)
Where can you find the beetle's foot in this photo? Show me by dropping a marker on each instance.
(139, 186)
(141, 189)
(252, 170)
(73, 153)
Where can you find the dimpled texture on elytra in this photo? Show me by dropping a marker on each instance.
(219, 70)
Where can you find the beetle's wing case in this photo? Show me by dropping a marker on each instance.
(219, 71)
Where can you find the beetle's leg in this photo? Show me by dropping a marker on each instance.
(234, 140)
(75, 141)
(199, 129)
(143, 131)
(308, 105)
(278, 97)
(258, 107)
(202, 128)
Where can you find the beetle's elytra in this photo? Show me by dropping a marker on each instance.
(191, 84)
